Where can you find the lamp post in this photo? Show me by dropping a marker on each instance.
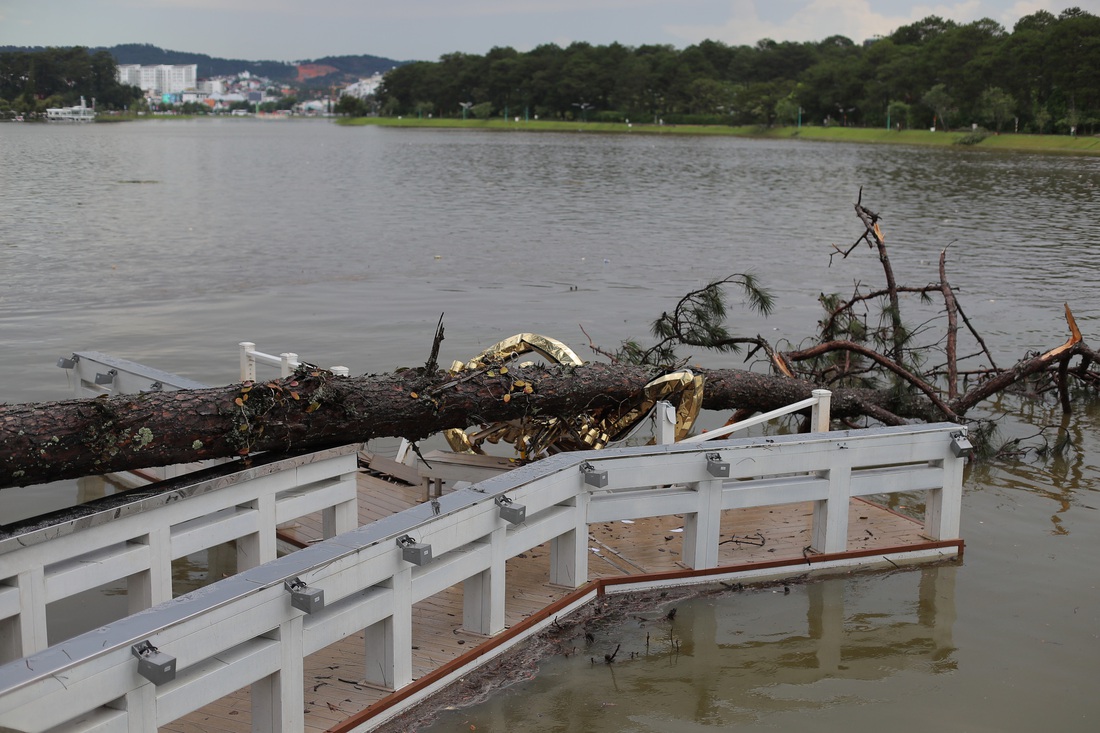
(584, 107)
(465, 106)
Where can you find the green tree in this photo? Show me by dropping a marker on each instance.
(350, 106)
(940, 102)
(922, 31)
(787, 110)
(900, 114)
(997, 106)
(710, 96)
(1048, 61)
(1042, 118)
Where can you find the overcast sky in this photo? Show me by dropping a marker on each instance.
(290, 30)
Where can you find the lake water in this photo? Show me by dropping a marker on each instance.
(168, 242)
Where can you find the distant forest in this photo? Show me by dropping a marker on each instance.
(1044, 76)
(345, 68)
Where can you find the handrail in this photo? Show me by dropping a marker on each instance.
(287, 362)
(134, 536)
(244, 630)
(819, 420)
(95, 374)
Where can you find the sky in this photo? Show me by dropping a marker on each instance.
(296, 30)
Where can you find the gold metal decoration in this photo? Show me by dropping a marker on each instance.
(522, 343)
(536, 436)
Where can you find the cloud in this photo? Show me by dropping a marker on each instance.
(409, 9)
(816, 20)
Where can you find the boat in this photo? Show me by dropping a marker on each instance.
(79, 113)
(366, 584)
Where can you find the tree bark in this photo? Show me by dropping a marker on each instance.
(52, 441)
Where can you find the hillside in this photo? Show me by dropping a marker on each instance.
(322, 72)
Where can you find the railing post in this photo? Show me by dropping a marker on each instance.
(483, 595)
(344, 517)
(819, 413)
(288, 362)
(17, 633)
(278, 700)
(378, 654)
(150, 587)
(830, 520)
(248, 362)
(10, 647)
(259, 547)
(664, 414)
(942, 506)
(140, 705)
(32, 611)
(569, 551)
(703, 527)
(388, 643)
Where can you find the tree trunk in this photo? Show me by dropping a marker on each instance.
(68, 439)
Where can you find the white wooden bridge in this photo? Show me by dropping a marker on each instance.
(392, 597)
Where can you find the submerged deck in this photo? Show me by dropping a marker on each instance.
(751, 538)
(404, 597)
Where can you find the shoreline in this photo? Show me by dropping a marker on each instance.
(1009, 142)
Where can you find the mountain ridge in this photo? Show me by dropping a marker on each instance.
(344, 68)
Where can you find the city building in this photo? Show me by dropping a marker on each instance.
(364, 87)
(160, 79)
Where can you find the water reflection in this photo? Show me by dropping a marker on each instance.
(736, 658)
(1056, 463)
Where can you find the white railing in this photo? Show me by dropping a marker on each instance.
(819, 403)
(93, 374)
(244, 631)
(444, 468)
(286, 362)
(135, 536)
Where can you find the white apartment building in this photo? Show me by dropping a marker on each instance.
(162, 79)
(212, 86)
(364, 87)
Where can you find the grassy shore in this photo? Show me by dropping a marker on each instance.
(1021, 143)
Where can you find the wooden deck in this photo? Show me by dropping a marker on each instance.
(334, 690)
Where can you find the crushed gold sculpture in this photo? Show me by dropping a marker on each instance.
(538, 435)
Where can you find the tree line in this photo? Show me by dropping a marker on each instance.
(32, 81)
(1043, 76)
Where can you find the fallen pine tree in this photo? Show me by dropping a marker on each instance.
(313, 409)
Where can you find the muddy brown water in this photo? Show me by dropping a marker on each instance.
(168, 242)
